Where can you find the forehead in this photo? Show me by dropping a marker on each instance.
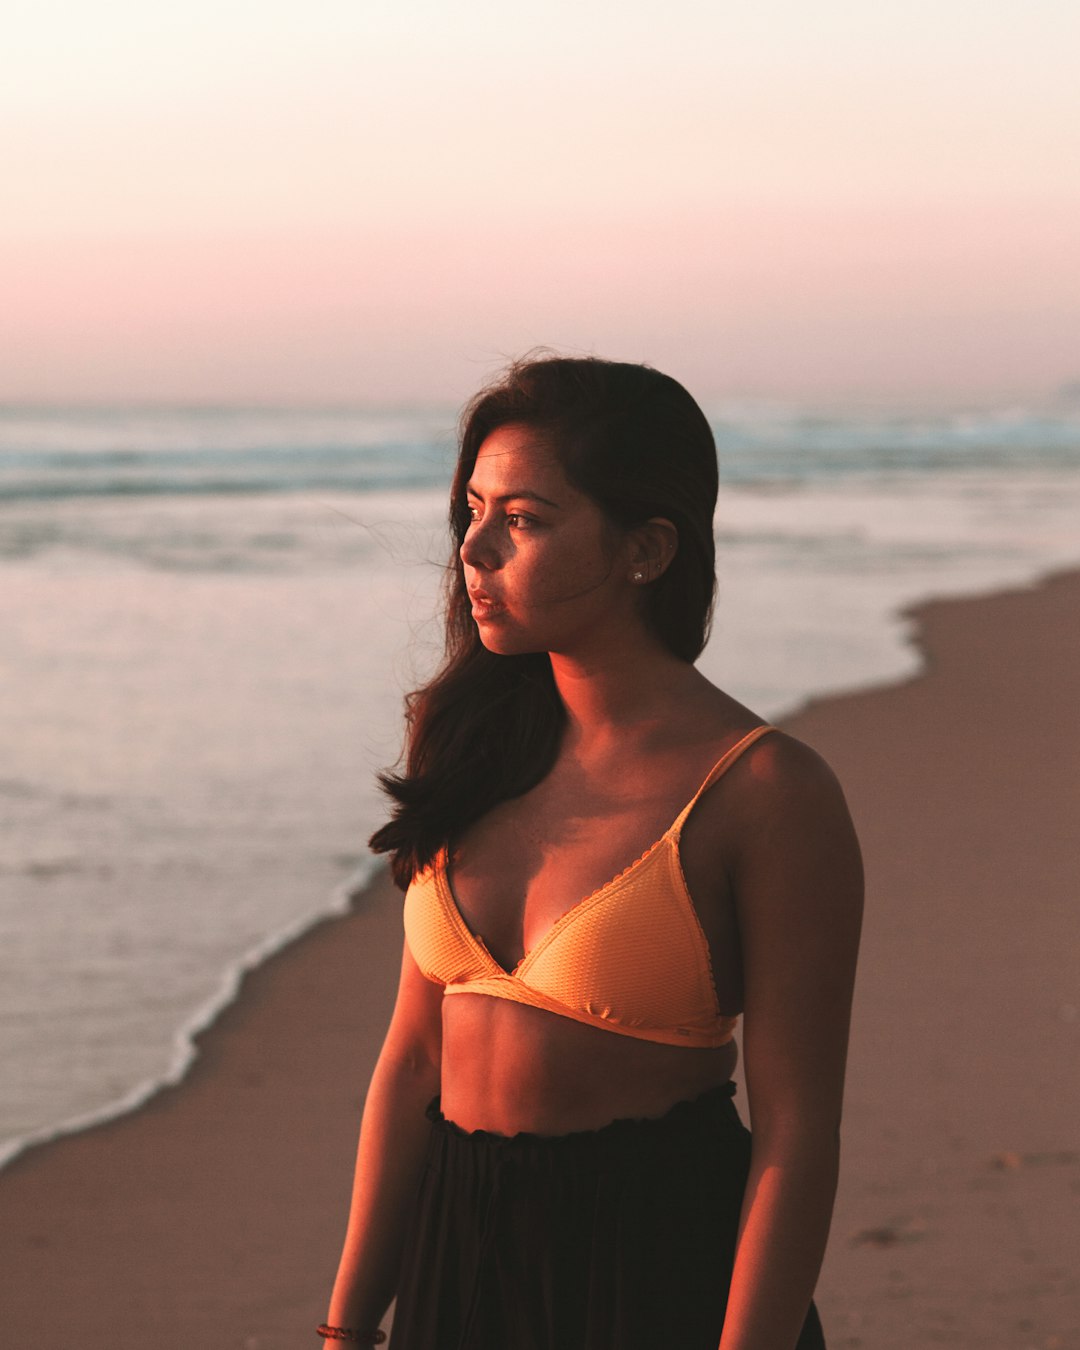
(514, 457)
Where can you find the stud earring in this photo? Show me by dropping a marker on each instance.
(639, 576)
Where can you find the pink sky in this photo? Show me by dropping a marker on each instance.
(364, 210)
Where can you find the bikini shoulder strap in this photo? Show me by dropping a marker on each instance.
(726, 760)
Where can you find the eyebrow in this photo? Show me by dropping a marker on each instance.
(518, 494)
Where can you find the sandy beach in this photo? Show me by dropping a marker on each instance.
(212, 1217)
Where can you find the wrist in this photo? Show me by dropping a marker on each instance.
(353, 1335)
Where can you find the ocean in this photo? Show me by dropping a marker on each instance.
(209, 618)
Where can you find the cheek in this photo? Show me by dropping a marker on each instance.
(569, 573)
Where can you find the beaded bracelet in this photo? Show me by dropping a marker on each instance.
(329, 1333)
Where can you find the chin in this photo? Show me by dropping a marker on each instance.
(502, 644)
(506, 642)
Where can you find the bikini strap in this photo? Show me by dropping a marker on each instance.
(721, 767)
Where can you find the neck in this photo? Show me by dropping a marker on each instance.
(610, 694)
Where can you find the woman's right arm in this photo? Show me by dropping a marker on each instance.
(390, 1156)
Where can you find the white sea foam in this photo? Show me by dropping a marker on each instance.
(184, 1041)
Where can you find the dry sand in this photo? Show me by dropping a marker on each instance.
(212, 1217)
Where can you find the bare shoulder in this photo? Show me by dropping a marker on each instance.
(783, 776)
(782, 763)
(788, 827)
(778, 799)
(776, 771)
(781, 808)
(796, 875)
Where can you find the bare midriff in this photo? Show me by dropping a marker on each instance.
(508, 1068)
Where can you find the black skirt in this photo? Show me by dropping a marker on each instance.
(621, 1238)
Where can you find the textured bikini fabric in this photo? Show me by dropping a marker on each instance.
(621, 1238)
(631, 958)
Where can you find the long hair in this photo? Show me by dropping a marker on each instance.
(487, 727)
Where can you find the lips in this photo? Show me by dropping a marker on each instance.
(485, 605)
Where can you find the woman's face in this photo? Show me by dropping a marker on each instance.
(545, 569)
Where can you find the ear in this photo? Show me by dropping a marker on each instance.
(652, 547)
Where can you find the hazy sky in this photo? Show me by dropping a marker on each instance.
(374, 201)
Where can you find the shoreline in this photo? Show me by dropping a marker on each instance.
(135, 899)
(340, 899)
(267, 1103)
(230, 989)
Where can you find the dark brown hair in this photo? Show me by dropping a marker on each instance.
(487, 727)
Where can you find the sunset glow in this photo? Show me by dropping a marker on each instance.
(370, 204)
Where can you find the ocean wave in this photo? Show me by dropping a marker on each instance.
(112, 453)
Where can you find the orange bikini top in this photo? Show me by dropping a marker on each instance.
(632, 957)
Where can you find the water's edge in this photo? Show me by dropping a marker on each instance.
(341, 900)
(351, 890)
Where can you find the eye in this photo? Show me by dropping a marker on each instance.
(473, 511)
(519, 522)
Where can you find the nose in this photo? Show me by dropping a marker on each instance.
(480, 549)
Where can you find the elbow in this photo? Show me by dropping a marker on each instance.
(422, 1061)
(798, 1143)
(414, 1060)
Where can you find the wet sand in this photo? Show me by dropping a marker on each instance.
(212, 1217)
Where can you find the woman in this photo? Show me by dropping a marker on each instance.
(550, 1158)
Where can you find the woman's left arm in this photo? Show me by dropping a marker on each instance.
(798, 885)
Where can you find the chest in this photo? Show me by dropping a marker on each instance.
(532, 861)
